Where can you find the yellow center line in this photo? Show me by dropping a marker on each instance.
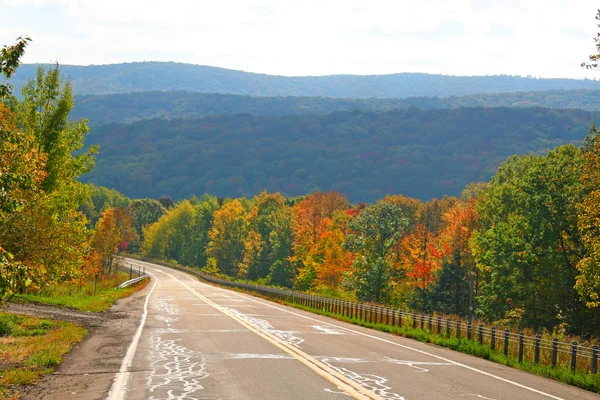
(339, 380)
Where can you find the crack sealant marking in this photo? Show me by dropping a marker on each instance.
(286, 336)
(166, 320)
(176, 370)
(165, 306)
(416, 364)
(376, 384)
(327, 331)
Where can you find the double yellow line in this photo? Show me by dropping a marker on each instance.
(339, 380)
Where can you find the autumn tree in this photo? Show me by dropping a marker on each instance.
(454, 252)
(312, 217)
(335, 261)
(588, 221)
(113, 231)
(227, 235)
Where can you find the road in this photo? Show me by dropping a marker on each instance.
(197, 341)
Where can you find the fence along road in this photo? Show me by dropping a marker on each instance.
(198, 341)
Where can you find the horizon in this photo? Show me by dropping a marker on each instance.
(312, 38)
(312, 76)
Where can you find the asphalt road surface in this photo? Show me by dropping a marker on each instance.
(197, 341)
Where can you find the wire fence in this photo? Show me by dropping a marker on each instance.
(525, 348)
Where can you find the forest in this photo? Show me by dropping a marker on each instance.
(363, 154)
(131, 107)
(525, 245)
(171, 76)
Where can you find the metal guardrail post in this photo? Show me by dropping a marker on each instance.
(493, 339)
(554, 352)
(469, 327)
(414, 320)
(423, 321)
(506, 335)
(430, 323)
(521, 342)
(458, 329)
(439, 325)
(448, 327)
(573, 356)
(536, 353)
(480, 333)
(595, 360)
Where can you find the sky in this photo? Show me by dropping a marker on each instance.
(541, 38)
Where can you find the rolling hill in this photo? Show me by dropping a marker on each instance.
(364, 154)
(170, 76)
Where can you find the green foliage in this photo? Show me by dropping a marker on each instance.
(529, 244)
(365, 155)
(100, 199)
(375, 231)
(10, 58)
(44, 111)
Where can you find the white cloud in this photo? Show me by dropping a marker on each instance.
(313, 37)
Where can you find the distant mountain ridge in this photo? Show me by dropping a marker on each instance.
(170, 76)
(131, 107)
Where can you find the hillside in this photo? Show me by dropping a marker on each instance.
(130, 107)
(170, 76)
(365, 155)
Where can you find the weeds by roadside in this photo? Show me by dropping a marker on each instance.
(82, 297)
(31, 347)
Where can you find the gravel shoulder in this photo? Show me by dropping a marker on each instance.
(88, 370)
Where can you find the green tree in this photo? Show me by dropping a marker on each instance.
(528, 245)
(44, 114)
(10, 59)
(145, 212)
(376, 231)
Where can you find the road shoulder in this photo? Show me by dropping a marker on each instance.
(88, 370)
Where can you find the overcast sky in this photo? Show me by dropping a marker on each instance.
(547, 38)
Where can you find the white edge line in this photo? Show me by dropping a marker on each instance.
(118, 391)
(251, 298)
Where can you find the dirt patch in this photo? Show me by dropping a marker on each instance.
(89, 369)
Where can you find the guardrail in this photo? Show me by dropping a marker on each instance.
(525, 348)
(133, 281)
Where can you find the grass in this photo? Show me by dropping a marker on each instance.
(31, 347)
(82, 297)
